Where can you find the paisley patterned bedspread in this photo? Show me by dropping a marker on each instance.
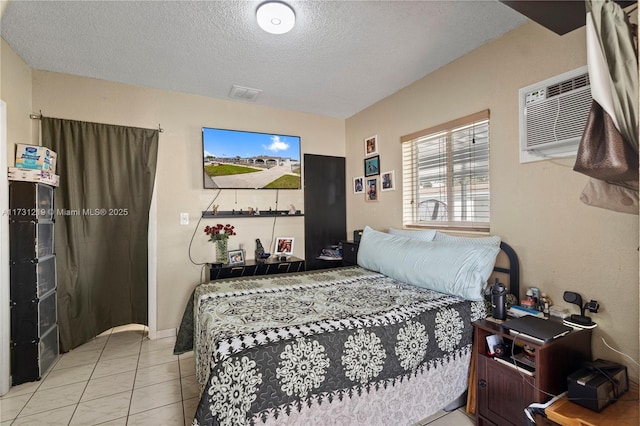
(342, 346)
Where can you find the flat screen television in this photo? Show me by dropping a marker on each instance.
(250, 160)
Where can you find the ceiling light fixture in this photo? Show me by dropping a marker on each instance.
(275, 17)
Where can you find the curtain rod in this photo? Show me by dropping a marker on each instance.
(39, 117)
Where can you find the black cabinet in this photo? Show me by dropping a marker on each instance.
(325, 207)
(251, 267)
(349, 253)
(34, 321)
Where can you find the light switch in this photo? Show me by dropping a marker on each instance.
(184, 218)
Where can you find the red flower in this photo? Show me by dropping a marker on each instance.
(219, 232)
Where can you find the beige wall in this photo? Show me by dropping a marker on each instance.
(15, 90)
(562, 243)
(179, 171)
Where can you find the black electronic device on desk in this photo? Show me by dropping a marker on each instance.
(537, 329)
(597, 385)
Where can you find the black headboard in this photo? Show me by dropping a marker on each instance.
(513, 270)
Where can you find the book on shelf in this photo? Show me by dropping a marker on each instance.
(516, 365)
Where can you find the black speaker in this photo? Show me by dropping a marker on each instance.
(357, 234)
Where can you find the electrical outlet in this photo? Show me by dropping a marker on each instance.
(184, 218)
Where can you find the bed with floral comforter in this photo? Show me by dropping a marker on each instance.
(344, 346)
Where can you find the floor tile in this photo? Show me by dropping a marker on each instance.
(157, 374)
(120, 349)
(50, 399)
(187, 366)
(97, 343)
(148, 359)
(55, 417)
(154, 345)
(122, 421)
(11, 407)
(190, 406)
(76, 358)
(115, 366)
(190, 387)
(67, 376)
(102, 409)
(168, 415)
(155, 396)
(454, 418)
(109, 385)
(25, 388)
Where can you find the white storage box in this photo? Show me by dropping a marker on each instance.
(33, 175)
(35, 157)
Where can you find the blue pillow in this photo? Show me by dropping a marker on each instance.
(422, 235)
(493, 240)
(452, 268)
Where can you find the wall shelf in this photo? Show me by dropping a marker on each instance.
(245, 214)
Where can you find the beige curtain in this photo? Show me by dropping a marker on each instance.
(106, 181)
(613, 71)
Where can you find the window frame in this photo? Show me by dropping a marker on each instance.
(410, 180)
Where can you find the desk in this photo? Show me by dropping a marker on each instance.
(623, 412)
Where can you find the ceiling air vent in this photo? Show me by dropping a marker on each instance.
(244, 93)
(553, 115)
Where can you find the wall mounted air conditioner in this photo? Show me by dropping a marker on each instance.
(553, 115)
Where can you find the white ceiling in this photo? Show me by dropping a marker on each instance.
(341, 56)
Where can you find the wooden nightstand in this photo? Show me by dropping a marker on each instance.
(503, 391)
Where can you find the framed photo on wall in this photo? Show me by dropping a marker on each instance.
(372, 190)
(371, 145)
(284, 246)
(372, 166)
(388, 180)
(358, 185)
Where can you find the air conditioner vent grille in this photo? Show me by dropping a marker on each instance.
(553, 115)
(568, 85)
(559, 119)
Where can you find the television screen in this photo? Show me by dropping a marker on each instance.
(250, 160)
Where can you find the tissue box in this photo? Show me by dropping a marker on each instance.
(35, 157)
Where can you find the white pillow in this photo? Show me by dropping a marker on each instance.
(422, 235)
(453, 268)
(493, 240)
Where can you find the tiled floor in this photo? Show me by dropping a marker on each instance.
(122, 378)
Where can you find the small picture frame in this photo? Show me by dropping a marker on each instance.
(372, 166)
(358, 185)
(371, 145)
(236, 257)
(388, 180)
(372, 190)
(284, 246)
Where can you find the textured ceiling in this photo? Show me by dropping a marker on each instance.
(341, 56)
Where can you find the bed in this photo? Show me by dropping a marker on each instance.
(352, 345)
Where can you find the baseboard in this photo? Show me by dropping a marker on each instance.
(162, 334)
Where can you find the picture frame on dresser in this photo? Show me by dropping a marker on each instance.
(284, 246)
(236, 257)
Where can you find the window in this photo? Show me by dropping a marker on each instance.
(446, 175)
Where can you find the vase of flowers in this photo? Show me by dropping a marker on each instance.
(219, 235)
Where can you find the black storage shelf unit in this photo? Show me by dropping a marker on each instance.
(34, 320)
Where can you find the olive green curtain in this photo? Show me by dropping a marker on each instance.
(102, 205)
